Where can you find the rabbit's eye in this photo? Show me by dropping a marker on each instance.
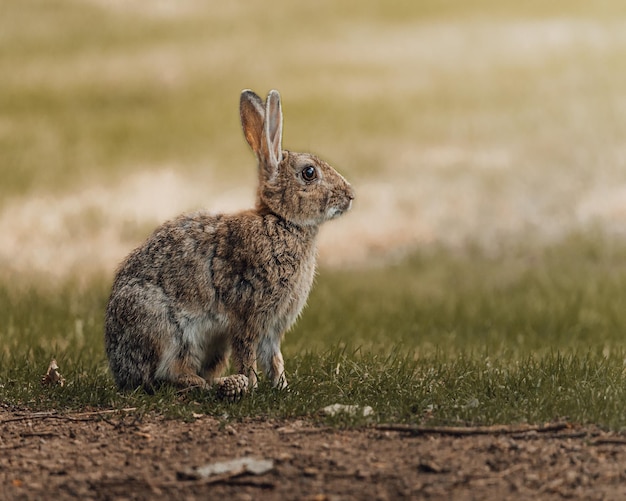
(309, 173)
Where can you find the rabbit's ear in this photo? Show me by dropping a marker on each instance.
(273, 130)
(252, 112)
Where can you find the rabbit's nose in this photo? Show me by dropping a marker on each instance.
(350, 192)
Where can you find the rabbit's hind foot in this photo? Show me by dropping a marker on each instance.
(190, 381)
(231, 388)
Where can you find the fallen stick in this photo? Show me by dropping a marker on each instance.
(608, 441)
(459, 431)
(78, 416)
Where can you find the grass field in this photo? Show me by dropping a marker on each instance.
(443, 337)
(481, 276)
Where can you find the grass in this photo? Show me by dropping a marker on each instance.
(99, 91)
(440, 337)
(483, 118)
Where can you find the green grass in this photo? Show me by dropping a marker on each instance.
(483, 108)
(521, 300)
(439, 337)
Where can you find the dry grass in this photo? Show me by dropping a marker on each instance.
(456, 124)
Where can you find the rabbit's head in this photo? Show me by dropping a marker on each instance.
(298, 187)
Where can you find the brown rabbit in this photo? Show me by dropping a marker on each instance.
(205, 285)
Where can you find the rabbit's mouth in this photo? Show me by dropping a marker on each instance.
(335, 212)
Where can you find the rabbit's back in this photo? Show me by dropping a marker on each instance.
(197, 280)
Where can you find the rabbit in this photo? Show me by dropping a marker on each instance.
(205, 286)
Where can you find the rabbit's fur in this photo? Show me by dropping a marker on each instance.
(204, 285)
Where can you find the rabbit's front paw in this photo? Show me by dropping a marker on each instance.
(232, 388)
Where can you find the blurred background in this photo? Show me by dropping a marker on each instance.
(461, 124)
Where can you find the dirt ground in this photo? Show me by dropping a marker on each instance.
(121, 456)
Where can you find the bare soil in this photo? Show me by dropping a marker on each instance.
(123, 456)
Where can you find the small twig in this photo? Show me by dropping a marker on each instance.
(105, 412)
(214, 479)
(608, 441)
(250, 482)
(238, 478)
(285, 430)
(45, 434)
(459, 431)
(11, 447)
(230, 478)
(39, 416)
(79, 416)
(556, 434)
(32, 415)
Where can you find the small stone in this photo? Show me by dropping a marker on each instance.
(310, 472)
(284, 457)
(351, 410)
(232, 467)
